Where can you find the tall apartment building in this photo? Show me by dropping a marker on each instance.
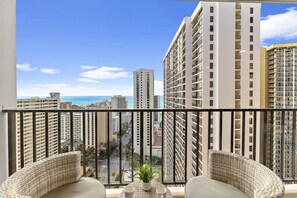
(77, 126)
(280, 63)
(143, 99)
(52, 102)
(212, 62)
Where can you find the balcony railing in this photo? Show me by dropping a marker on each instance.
(265, 135)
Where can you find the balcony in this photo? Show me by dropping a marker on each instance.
(113, 162)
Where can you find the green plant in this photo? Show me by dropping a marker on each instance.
(145, 173)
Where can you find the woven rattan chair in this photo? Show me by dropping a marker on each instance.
(57, 177)
(231, 175)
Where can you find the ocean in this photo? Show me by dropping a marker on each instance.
(87, 100)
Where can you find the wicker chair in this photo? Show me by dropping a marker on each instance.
(231, 175)
(57, 176)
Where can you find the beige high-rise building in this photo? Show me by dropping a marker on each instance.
(143, 98)
(212, 62)
(280, 63)
(77, 126)
(49, 103)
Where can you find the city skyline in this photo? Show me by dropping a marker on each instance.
(82, 58)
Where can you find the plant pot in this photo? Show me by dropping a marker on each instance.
(146, 186)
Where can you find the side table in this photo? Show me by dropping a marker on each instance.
(139, 193)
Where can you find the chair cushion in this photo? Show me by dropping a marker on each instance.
(85, 188)
(202, 186)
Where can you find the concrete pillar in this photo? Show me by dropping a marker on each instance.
(7, 75)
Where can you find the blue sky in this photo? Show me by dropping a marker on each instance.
(92, 47)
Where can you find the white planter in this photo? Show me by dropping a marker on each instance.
(146, 186)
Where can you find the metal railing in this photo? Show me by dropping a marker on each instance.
(265, 135)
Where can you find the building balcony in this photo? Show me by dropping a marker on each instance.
(114, 155)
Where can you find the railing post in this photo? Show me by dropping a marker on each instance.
(12, 160)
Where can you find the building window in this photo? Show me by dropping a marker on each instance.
(211, 94)
(210, 74)
(211, 28)
(251, 10)
(251, 93)
(251, 84)
(211, 46)
(251, 29)
(251, 57)
(211, 19)
(251, 47)
(211, 56)
(251, 20)
(211, 65)
(251, 38)
(211, 84)
(251, 65)
(251, 75)
(211, 103)
(251, 103)
(211, 9)
(211, 37)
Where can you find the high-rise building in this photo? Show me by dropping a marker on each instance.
(143, 98)
(212, 62)
(280, 63)
(49, 103)
(77, 126)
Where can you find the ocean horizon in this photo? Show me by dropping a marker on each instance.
(87, 100)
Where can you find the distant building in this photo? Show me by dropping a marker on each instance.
(279, 64)
(65, 105)
(49, 103)
(143, 99)
(66, 129)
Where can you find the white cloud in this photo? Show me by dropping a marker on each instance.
(280, 26)
(104, 73)
(87, 80)
(49, 71)
(158, 87)
(87, 67)
(52, 85)
(25, 67)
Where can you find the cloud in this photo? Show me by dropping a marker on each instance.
(52, 85)
(280, 26)
(158, 87)
(49, 71)
(104, 73)
(87, 80)
(25, 67)
(88, 67)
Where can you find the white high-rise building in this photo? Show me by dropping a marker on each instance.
(212, 62)
(77, 126)
(49, 103)
(143, 99)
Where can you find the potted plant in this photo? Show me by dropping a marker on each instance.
(145, 174)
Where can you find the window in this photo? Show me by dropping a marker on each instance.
(211, 9)
(210, 74)
(251, 75)
(251, 38)
(211, 19)
(211, 37)
(251, 20)
(211, 94)
(251, 93)
(211, 103)
(211, 46)
(251, 29)
(251, 57)
(251, 103)
(251, 10)
(251, 84)
(251, 65)
(251, 47)
(211, 65)
(211, 56)
(211, 28)
(211, 84)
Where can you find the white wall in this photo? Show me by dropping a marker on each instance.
(7, 75)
